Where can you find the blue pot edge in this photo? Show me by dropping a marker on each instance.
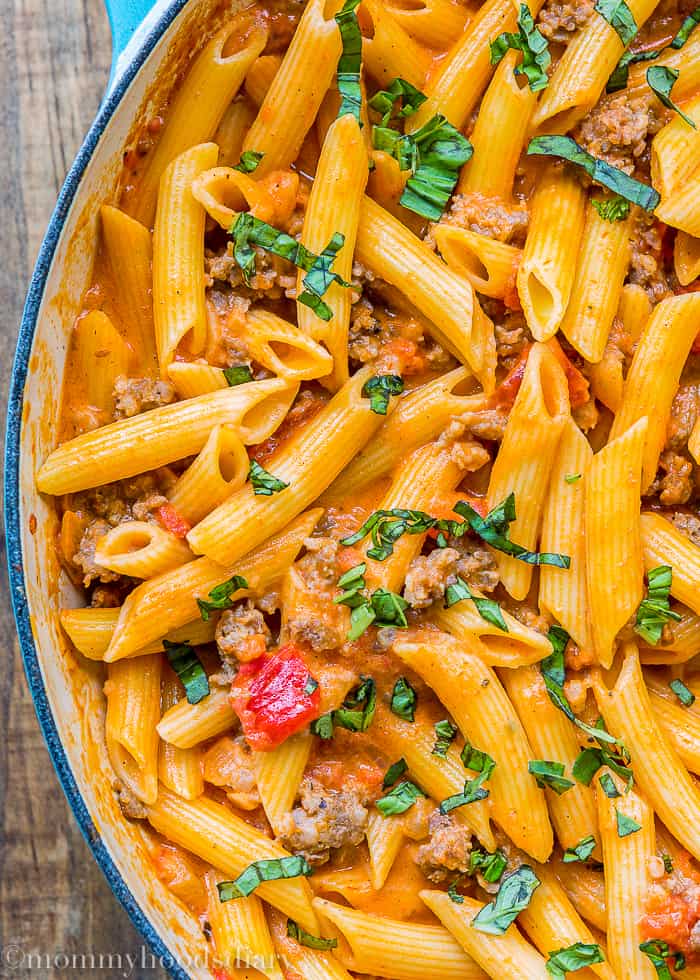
(15, 562)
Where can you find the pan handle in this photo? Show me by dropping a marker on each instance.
(125, 16)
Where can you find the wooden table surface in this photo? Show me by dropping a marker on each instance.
(54, 902)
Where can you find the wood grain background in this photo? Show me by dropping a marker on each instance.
(54, 63)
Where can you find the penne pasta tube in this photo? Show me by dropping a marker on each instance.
(309, 964)
(658, 771)
(278, 774)
(686, 258)
(186, 725)
(586, 891)
(386, 947)
(260, 77)
(178, 769)
(553, 737)
(168, 602)
(231, 131)
(684, 60)
(499, 135)
(519, 647)
(132, 690)
(101, 355)
(389, 51)
(595, 295)
(458, 83)
(296, 91)
(334, 207)
(675, 151)
(474, 697)
(385, 836)
(306, 464)
(240, 931)
(680, 726)
(664, 544)
(606, 376)
(200, 102)
(627, 880)
(508, 956)
(525, 459)
(284, 349)
(684, 645)
(612, 489)
(130, 253)
(680, 209)
(216, 835)
(140, 549)
(224, 193)
(90, 629)
(652, 380)
(548, 266)
(162, 435)
(583, 71)
(179, 307)
(563, 591)
(219, 469)
(489, 265)
(436, 23)
(392, 252)
(551, 922)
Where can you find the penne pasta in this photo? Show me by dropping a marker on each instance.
(220, 469)
(132, 689)
(140, 549)
(178, 769)
(489, 265)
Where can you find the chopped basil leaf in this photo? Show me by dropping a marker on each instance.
(260, 871)
(388, 608)
(536, 57)
(358, 708)
(581, 851)
(311, 685)
(361, 617)
(661, 80)
(668, 863)
(572, 958)
(626, 825)
(188, 667)
(445, 733)
(683, 693)
(304, 938)
(400, 90)
(549, 775)
(400, 799)
(686, 29)
(403, 700)
(264, 484)
(379, 390)
(488, 609)
(608, 786)
(655, 611)
(615, 208)
(393, 773)
(553, 670)
(494, 529)
(440, 150)
(490, 866)
(615, 757)
(441, 540)
(399, 146)
(240, 374)
(319, 278)
(618, 79)
(386, 527)
(352, 583)
(513, 896)
(323, 726)
(575, 477)
(453, 893)
(600, 171)
(220, 596)
(477, 761)
(658, 952)
(620, 18)
(350, 62)
(249, 161)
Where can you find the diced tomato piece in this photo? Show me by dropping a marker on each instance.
(505, 394)
(668, 918)
(578, 385)
(406, 353)
(172, 520)
(271, 697)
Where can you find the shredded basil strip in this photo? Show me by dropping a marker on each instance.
(686, 29)
(384, 102)
(393, 773)
(188, 667)
(261, 871)
(383, 608)
(386, 527)
(479, 762)
(379, 390)
(568, 959)
(488, 609)
(400, 799)
(607, 784)
(494, 529)
(440, 151)
(221, 596)
(350, 61)
(683, 693)
(404, 700)
(264, 484)
(304, 938)
(513, 896)
(661, 80)
(445, 733)
(357, 711)
(240, 374)
(626, 825)
(600, 171)
(668, 863)
(249, 161)
(319, 278)
(575, 477)
(453, 893)
(614, 209)
(618, 79)
(534, 47)
(581, 851)
(620, 18)
(658, 952)
(323, 726)
(489, 866)
(550, 775)
(654, 610)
